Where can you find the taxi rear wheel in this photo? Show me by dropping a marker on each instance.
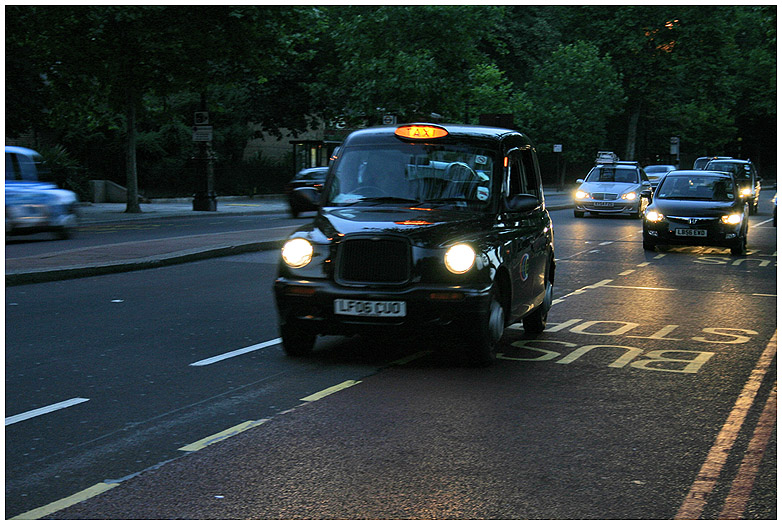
(296, 341)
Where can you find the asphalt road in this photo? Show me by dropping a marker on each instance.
(613, 413)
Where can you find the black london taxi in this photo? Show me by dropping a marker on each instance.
(422, 227)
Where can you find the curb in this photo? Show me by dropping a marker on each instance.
(92, 270)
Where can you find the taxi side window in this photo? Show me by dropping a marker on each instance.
(522, 174)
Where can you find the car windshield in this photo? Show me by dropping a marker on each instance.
(449, 175)
(612, 174)
(697, 189)
(657, 169)
(740, 171)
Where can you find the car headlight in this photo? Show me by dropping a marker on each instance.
(631, 196)
(733, 218)
(297, 253)
(582, 195)
(653, 216)
(746, 192)
(459, 258)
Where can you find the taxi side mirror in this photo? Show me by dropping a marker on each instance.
(307, 196)
(521, 203)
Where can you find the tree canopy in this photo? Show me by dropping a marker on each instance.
(112, 82)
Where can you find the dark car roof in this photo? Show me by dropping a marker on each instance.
(455, 131)
(698, 173)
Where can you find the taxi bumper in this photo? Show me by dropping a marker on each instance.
(312, 306)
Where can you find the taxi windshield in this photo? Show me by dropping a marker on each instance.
(612, 174)
(697, 189)
(446, 174)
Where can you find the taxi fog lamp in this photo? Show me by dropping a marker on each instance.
(630, 196)
(653, 216)
(446, 296)
(459, 258)
(734, 218)
(582, 195)
(306, 291)
(297, 253)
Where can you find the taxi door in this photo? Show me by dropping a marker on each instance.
(525, 234)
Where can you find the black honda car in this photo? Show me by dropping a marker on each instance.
(422, 227)
(696, 207)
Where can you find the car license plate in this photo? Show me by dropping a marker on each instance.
(686, 232)
(370, 308)
(603, 204)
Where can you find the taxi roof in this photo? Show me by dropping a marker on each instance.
(455, 131)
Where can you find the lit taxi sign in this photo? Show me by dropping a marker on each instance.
(420, 132)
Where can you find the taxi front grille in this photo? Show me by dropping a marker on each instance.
(373, 260)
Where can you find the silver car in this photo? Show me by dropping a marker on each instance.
(616, 188)
(32, 206)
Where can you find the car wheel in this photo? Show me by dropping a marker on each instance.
(740, 248)
(483, 338)
(578, 214)
(535, 323)
(296, 341)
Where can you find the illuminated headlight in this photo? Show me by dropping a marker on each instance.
(746, 192)
(630, 196)
(459, 258)
(733, 219)
(582, 195)
(297, 253)
(653, 216)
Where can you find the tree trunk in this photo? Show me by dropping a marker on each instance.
(131, 173)
(632, 130)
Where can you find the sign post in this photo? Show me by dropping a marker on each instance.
(675, 149)
(560, 174)
(204, 198)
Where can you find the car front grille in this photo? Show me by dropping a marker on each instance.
(605, 196)
(373, 260)
(692, 221)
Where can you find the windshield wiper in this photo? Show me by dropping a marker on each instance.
(389, 199)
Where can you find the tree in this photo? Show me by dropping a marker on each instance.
(570, 99)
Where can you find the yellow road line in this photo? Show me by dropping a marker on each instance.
(704, 483)
(64, 503)
(331, 390)
(225, 434)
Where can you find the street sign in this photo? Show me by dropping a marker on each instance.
(201, 118)
(202, 133)
(557, 148)
(389, 120)
(674, 145)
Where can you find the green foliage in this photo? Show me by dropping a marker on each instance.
(569, 100)
(577, 75)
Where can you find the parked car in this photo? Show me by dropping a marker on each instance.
(32, 206)
(422, 227)
(306, 178)
(613, 188)
(697, 207)
(746, 176)
(655, 171)
(700, 162)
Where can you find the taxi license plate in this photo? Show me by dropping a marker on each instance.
(370, 308)
(603, 204)
(686, 232)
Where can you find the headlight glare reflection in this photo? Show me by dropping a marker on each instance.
(734, 218)
(459, 258)
(653, 216)
(297, 253)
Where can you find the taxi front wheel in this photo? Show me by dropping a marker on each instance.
(296, 341)
(487, 333)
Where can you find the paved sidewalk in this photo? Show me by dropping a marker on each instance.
(64, 263)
